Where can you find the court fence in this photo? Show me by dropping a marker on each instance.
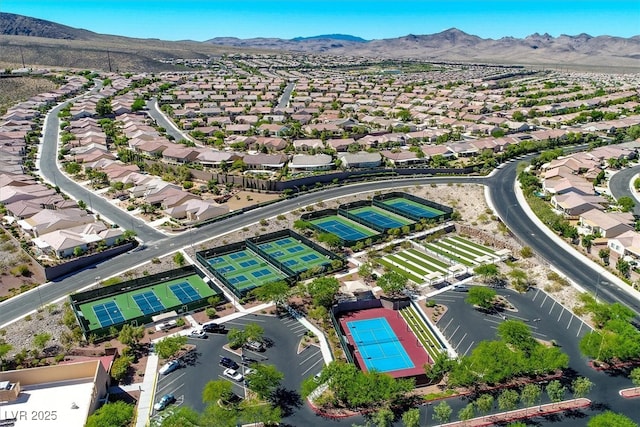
(379, 199)
(336, 262)
(311, 216)
(81, 298)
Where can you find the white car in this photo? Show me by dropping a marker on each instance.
(233, 374)
(169, 367)
(198, 333)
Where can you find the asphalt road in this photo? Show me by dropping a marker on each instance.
(502, 193)
(283, 334)
(286, 95)
(161, 120)
(464, 327)
(619, 186)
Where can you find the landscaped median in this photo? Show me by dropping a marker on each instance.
(422, 330)
(519, 414)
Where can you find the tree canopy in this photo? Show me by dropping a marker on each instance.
(392, 283)
(609, 419)
(116, 414)
(481, 296)
(323, 291)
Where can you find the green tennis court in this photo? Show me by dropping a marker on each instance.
(344, 228)
(294, 254)
(413, 208)
(381, 218)
(147, 301)
(245, 270)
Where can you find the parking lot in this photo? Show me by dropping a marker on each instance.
(464, 327)
(282, 336)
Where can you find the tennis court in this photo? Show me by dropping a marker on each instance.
(379, 346)
(245, 270)
(148, 302)
(108, 314)
(346, 229)
(377, 216)
(413, 208)
(158, 297)
(185, 292)
(294, 254)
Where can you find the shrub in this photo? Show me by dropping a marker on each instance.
(210, 312)
(21, 270)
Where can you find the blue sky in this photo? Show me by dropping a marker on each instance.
(371, 19)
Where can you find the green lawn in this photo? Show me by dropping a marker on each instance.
(451, 256)
(485, 250)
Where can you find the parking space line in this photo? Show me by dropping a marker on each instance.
(448, 323)
(454, 332)
(580, 328)
(552, 306)
(165, 385)
(538, 333)
(176, 389)
(536, 294)
(492, 321)
(310, 357)
(544, 300)
(460, 342)
(518, 317)
(570, 319)
(312, 366)
(561, 313)
(469, 348)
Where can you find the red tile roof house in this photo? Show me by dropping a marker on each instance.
(169, 197)
(93, 155)
(151, 148)
(625, 245)
(214, 158)
(273, 129)
(197, 210)
(437, 150)
(341, 144)
(606, 224)
(63, 242)
(272, 143)
(567, 184)
(179, 154)
(403, 158)
(10, 193)
(48, 220)
(573, 204)
(265, 161)
(307, 144)
(27, 208)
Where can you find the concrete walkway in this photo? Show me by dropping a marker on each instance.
(147, 391)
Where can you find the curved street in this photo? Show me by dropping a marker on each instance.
(619, 186)
(502, 196)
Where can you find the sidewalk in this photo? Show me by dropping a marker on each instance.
(147, 391)
(518, 414)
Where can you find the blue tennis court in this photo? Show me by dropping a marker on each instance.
(185, 292)
(341, 230)
(414, 209)
(290, 262)
(226, 269)
(238, 279)
(108, 314)
(309, 257)
(148, 302)
(284, 242)
(379, 346)
(248, 263)
(260, 273)
(295, 249)
(237, 255)
(214, 261)
(379, 219)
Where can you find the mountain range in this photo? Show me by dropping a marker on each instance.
(579, 51)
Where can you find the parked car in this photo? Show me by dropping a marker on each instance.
(169, 367)
(213, 327)
(460, 288)
(254, 346)
(233, 374)
(197, 333)
(164, 401)
(228, 363)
